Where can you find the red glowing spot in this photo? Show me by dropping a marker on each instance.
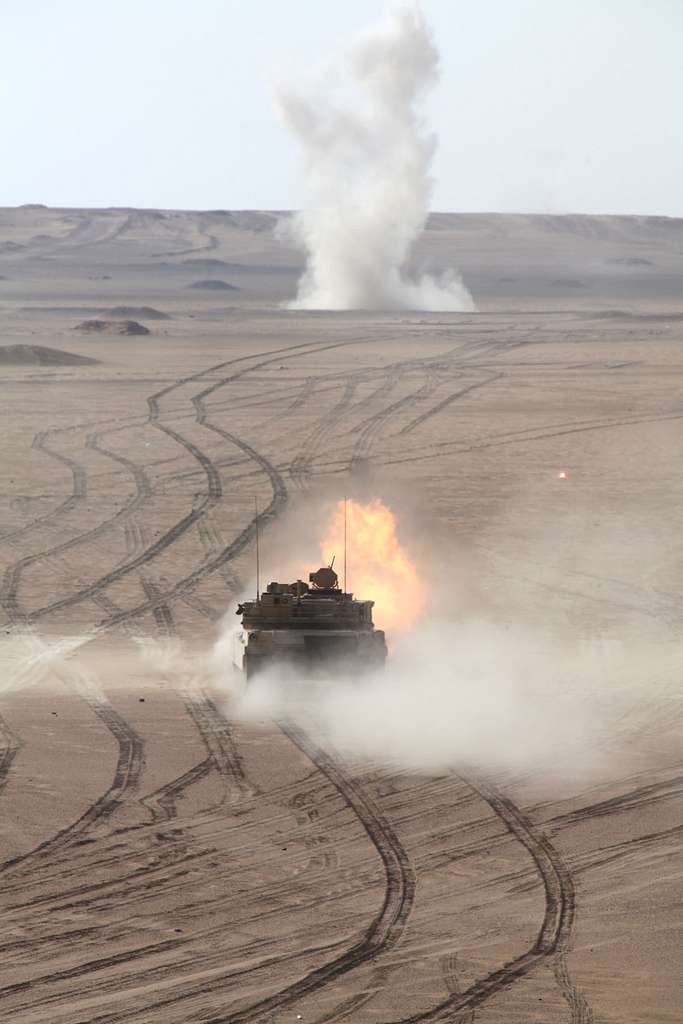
(562, 475)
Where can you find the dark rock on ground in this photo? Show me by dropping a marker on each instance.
(111, 327)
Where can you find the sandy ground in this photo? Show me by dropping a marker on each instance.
(164, 861)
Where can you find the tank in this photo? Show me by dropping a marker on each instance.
(312, 627)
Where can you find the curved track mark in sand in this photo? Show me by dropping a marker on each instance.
(300, 469)
(216, 735)
(212, 496)
(553, 936)
(214, 492)
(185, 585)
(10, 588)
(449, 970)
(373, 426)
(78, 487)
(162, 802)
(387, 926)
(10, 745)
(126, 776)
(78, 473)
(462, 448)
(440, 406)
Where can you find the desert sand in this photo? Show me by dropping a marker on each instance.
(163, 859)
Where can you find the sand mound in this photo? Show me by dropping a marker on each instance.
(111, 327)
(215, 285)
(39, 355)
(139, 312)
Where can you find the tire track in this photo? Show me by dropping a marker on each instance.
(214, 491)
(78, 473)
(307, 815)
(392, 914)
(371, 427)
(618, 851)
(161, 611)
(78, 485)
(449, 970)
(355, 1002)
(143, 490)
(553, 936)
(10, 745)
(213, 542)
(383, 932)
(201, 989)
(163, 972)
(211, 498)
(440, 406)
(385, 929)
(126, 777)
(643, 796)
(217, 738)
(391, 381)
(130, 746)
(215, 733)
(462, 448)
(162, 803)
(581, 1012)
(189, 582)
(300, 468)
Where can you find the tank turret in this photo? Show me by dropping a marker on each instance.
(312, 626)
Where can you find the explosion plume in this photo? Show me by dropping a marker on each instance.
(378, 565)
(367, 172)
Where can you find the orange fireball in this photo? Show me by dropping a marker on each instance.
(378, 566)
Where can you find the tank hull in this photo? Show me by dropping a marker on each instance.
(311, 652)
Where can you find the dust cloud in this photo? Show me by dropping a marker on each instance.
(367, 166)
(474, 696)
(475, 681)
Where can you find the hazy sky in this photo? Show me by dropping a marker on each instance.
(543, 105)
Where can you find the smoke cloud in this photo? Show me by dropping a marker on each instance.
(474, 695)
(367, 172)
(488, 674)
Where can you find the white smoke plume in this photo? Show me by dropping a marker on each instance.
(367, 173)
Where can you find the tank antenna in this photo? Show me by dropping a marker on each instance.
(258, 561)
(345, 591)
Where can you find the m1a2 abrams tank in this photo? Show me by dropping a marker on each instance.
(313, 627)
